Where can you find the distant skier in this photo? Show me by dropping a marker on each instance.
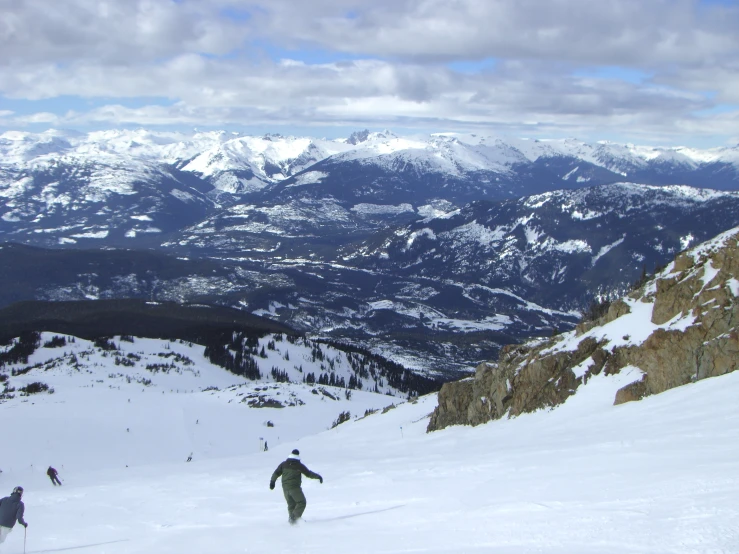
(11, 510)
(265, 446)
(54, 476)
(292, 471)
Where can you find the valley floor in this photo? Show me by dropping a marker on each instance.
(657, 476)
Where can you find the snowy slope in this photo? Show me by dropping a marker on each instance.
(658, 476)
(170, 396)
(246, 164)
(17, 147)
(436, 152)
(613, 156)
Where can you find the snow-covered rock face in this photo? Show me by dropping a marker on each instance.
(678, 328)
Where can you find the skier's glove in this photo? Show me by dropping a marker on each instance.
(271, 486)
(24, 524)
(320, 479)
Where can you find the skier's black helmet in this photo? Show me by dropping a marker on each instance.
(18, 490)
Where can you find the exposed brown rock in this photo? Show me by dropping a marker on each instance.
(617, 309)
(697, 289)
(635, 391)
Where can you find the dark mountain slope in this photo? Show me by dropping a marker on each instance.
(100, 318)
(557, 249)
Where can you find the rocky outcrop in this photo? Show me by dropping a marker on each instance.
(680, 327)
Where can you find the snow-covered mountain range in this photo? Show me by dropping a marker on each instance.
(272, 157)
(135, 187)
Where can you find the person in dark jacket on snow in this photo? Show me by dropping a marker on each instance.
(54, 476)
(291, 471)
(11, 510)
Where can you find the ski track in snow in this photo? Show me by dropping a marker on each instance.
(656, 476)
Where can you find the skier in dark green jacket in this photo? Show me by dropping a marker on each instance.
(292, 471)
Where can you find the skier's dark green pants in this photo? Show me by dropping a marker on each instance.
(295, 502)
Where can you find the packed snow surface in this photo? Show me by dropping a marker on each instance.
(655, 476)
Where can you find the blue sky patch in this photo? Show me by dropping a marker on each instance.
(62, 104)
(472, 67)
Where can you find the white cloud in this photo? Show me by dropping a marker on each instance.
(210, 59)
(505, 107)
(613, 32)
(38, 117)
(112, 31)
(723, 80)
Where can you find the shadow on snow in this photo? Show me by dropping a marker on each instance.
(356, 515)
(75, 547)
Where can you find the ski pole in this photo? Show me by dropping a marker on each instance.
(25, 534)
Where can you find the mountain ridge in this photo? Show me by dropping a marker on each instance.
(140, 188)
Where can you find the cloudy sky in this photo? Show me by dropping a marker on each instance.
(645, 71)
